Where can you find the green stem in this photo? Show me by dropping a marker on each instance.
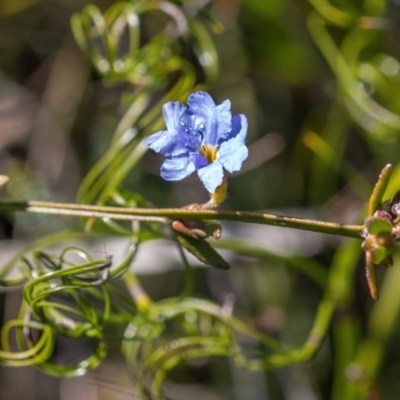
(379, 189)
(189, 275)
(331, 13)
(164, 215)
(380, 329)
(314, 340)
(135, 289)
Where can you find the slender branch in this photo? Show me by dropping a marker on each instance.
(166, 214)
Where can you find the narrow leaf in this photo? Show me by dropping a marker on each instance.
(202, 250)
(370, 275)
(379, 189)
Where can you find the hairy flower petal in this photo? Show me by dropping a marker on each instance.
(175, 169)
(233, 152)
(211, 176)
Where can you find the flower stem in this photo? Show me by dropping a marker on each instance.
(218, 196)
(138, 294)
(166, 214)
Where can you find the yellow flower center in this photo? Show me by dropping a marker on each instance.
(209, 152)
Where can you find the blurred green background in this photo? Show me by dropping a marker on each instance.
(319, 83)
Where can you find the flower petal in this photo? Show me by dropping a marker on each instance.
(211, 176)
(220, 124)
(175, 169)
(201, 104)
(172, 113)
(239, 127)
(159, 142)
(177, 140)
(233, 152)
(200, 161)
(169, 144)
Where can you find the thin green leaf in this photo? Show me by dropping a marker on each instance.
(379, 189)
(202, 250)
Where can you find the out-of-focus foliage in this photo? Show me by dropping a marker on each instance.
(82, 84)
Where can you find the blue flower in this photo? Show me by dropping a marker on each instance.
(202, 137)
